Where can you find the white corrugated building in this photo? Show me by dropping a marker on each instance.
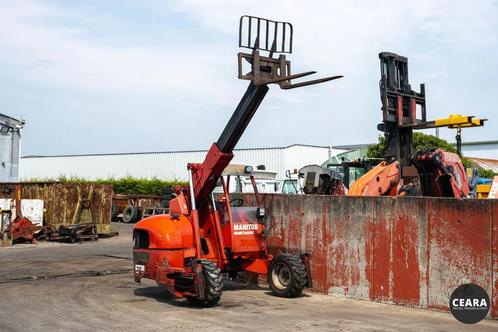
(481, 149)
(167, 165)
(172, 164)
(10, 140)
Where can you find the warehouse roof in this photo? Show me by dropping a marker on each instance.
(489, 164)
(352, 146)
(480, 143)
(180, 151)
(347, 147)
(10, 121)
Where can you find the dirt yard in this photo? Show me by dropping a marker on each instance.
(89, 287)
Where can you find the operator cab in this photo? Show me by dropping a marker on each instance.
(237, 180)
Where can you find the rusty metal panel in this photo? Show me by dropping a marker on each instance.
(314, 237)
(121, 202)
(459, 247)
(140, 201)
(411, 250)
(382, 249)
(349, 272)
(494, 268)
(61, 202)
(298, 226)
(409, 247)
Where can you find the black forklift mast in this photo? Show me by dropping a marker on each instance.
(241, 117)
(403, 109)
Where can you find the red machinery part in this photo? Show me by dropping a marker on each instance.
(381, 180)
(442, 173)
(23, 228)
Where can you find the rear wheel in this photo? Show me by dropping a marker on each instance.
(130, 214)
(287, 275)
(114, 212)
(213, 285)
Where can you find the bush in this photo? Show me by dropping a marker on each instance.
(125, 185)
(420, 142)
(486, 173)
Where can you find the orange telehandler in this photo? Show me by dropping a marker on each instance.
(202, 237)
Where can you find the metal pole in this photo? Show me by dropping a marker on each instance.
(458, 138)
(213, 202)
(191, 187)
(194, 217)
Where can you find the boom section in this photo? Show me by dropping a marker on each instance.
(263, 70)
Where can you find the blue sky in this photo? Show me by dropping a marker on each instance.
(125, 76)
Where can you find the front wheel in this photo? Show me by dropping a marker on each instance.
(213, 282)
(287, 275)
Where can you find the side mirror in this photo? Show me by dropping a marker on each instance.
(260, 214)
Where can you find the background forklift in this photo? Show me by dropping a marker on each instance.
(188, 249)
(432, 172)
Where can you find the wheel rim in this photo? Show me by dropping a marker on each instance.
(281, 275)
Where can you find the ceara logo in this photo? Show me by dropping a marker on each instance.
(469, 303)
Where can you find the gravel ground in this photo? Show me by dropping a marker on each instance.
(88, 287)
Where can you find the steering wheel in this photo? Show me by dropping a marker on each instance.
(236, 202)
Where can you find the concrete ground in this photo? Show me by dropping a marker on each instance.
(89, 286)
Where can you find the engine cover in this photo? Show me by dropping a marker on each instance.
(164, 232)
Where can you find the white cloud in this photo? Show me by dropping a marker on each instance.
(51, 54)
(451, 45)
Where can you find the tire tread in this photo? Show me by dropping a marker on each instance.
(213, 281)
(300, 276)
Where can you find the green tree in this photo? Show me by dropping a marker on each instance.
(421, 142)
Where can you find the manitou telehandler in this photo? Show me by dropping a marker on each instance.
(202, 237)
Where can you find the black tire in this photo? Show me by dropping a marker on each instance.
(287, 275)
(167, 190)
(213, 281)
(130, 214)
(114, 212)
